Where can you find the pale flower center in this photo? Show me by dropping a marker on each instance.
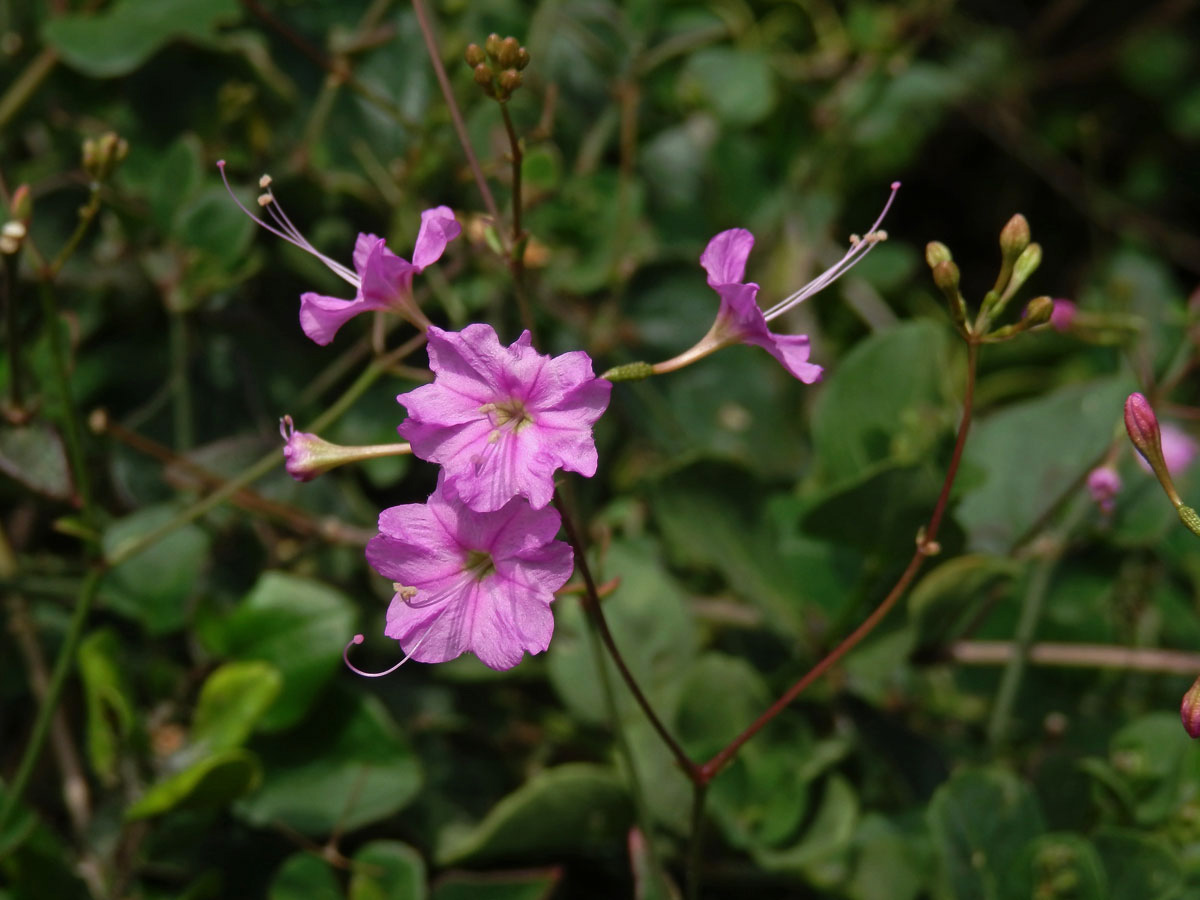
(506, 415)
(480, 564)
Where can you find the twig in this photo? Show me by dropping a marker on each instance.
(1081, 656)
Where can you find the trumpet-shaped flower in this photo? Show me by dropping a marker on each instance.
(739, 317)
(468, 581)
(381, 279)
(500, 420)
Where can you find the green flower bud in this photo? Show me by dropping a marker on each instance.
(483, 78)
(510, 80)
(492, 45)
(522, 58)
(507, 54)
(1014, 237)
(937, 252)
(629, 372)
(946, 276)
(1026, 265)
(474, 55)
(1038, 311)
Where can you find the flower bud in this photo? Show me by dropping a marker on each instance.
(510, 80)
(522, 58)
(629, 372)
(1038, 311)
(1014, 237)
(507, 54)
(1142, 425)
(306, 456)
(483, 78)
(474, 55)
(102, 155)
(492, 45)
(21, 205)
(1103, 483)
(1026, 265)
(946, 276)
(1063, 315)
(937, 252)
(1189, 710)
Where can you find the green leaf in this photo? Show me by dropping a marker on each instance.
(154, 586)
(1139, 867)
(981, 820)
(738, 85)
(345, 766)
(826, 838)
(648, 617)
(210, 784)
(304, 876)
(1060, 865)
(110, 711)
(297, 625)
(568, 809)
(888, 401)
(889, 863)
(232, 701)
(1149, 755)
(387, 870)
(33, 454)
(118, 40)
(949, 597)
(1030, 453)
(497, 886)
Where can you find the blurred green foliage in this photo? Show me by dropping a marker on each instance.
(221, 748)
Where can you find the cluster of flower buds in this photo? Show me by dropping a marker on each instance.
(1019, 258)
(497, 65)
(102, 155)
(13, 231)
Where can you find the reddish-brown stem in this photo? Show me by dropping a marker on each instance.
(926, 546)
(456, 117)
(591, 604)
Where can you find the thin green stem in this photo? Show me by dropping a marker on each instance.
(926, 546)
(516, 255)
(26, 84)
(71, 426)
(87, 215)
(596, 613)
(1031, 613)
(456, 117)
(58, 679)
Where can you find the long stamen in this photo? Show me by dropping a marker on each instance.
(858, 249)
(358, 639)
(286, 230)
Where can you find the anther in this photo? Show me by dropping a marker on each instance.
(264, 182)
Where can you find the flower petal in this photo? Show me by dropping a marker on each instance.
(724, 259)
(321, 317)
(438, 228)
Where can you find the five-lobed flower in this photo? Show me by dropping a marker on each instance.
(501, 420)
(469, 581)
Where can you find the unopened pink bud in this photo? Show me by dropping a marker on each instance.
(1189, 710)
(1142, 425)
(1104, 484)
(1063, 315)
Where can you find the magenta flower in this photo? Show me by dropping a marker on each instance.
(470, 581)
(501, 420)
(381, 279)
(1063, 315)
(739, 318)
(1104, 484)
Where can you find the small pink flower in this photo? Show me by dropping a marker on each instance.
(1104, 484)
(739, 318)
(381, 279)
(1063, 315)
(501, 420)
(468, 581)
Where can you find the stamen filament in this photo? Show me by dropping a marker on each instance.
(858, 249)
(289, 232)
(358, 639)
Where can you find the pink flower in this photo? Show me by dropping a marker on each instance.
(470, 581)
(501, 420)
(739, 318)
(1178, 449)
(1104, 484)
(381, 279)
(1063, 315)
